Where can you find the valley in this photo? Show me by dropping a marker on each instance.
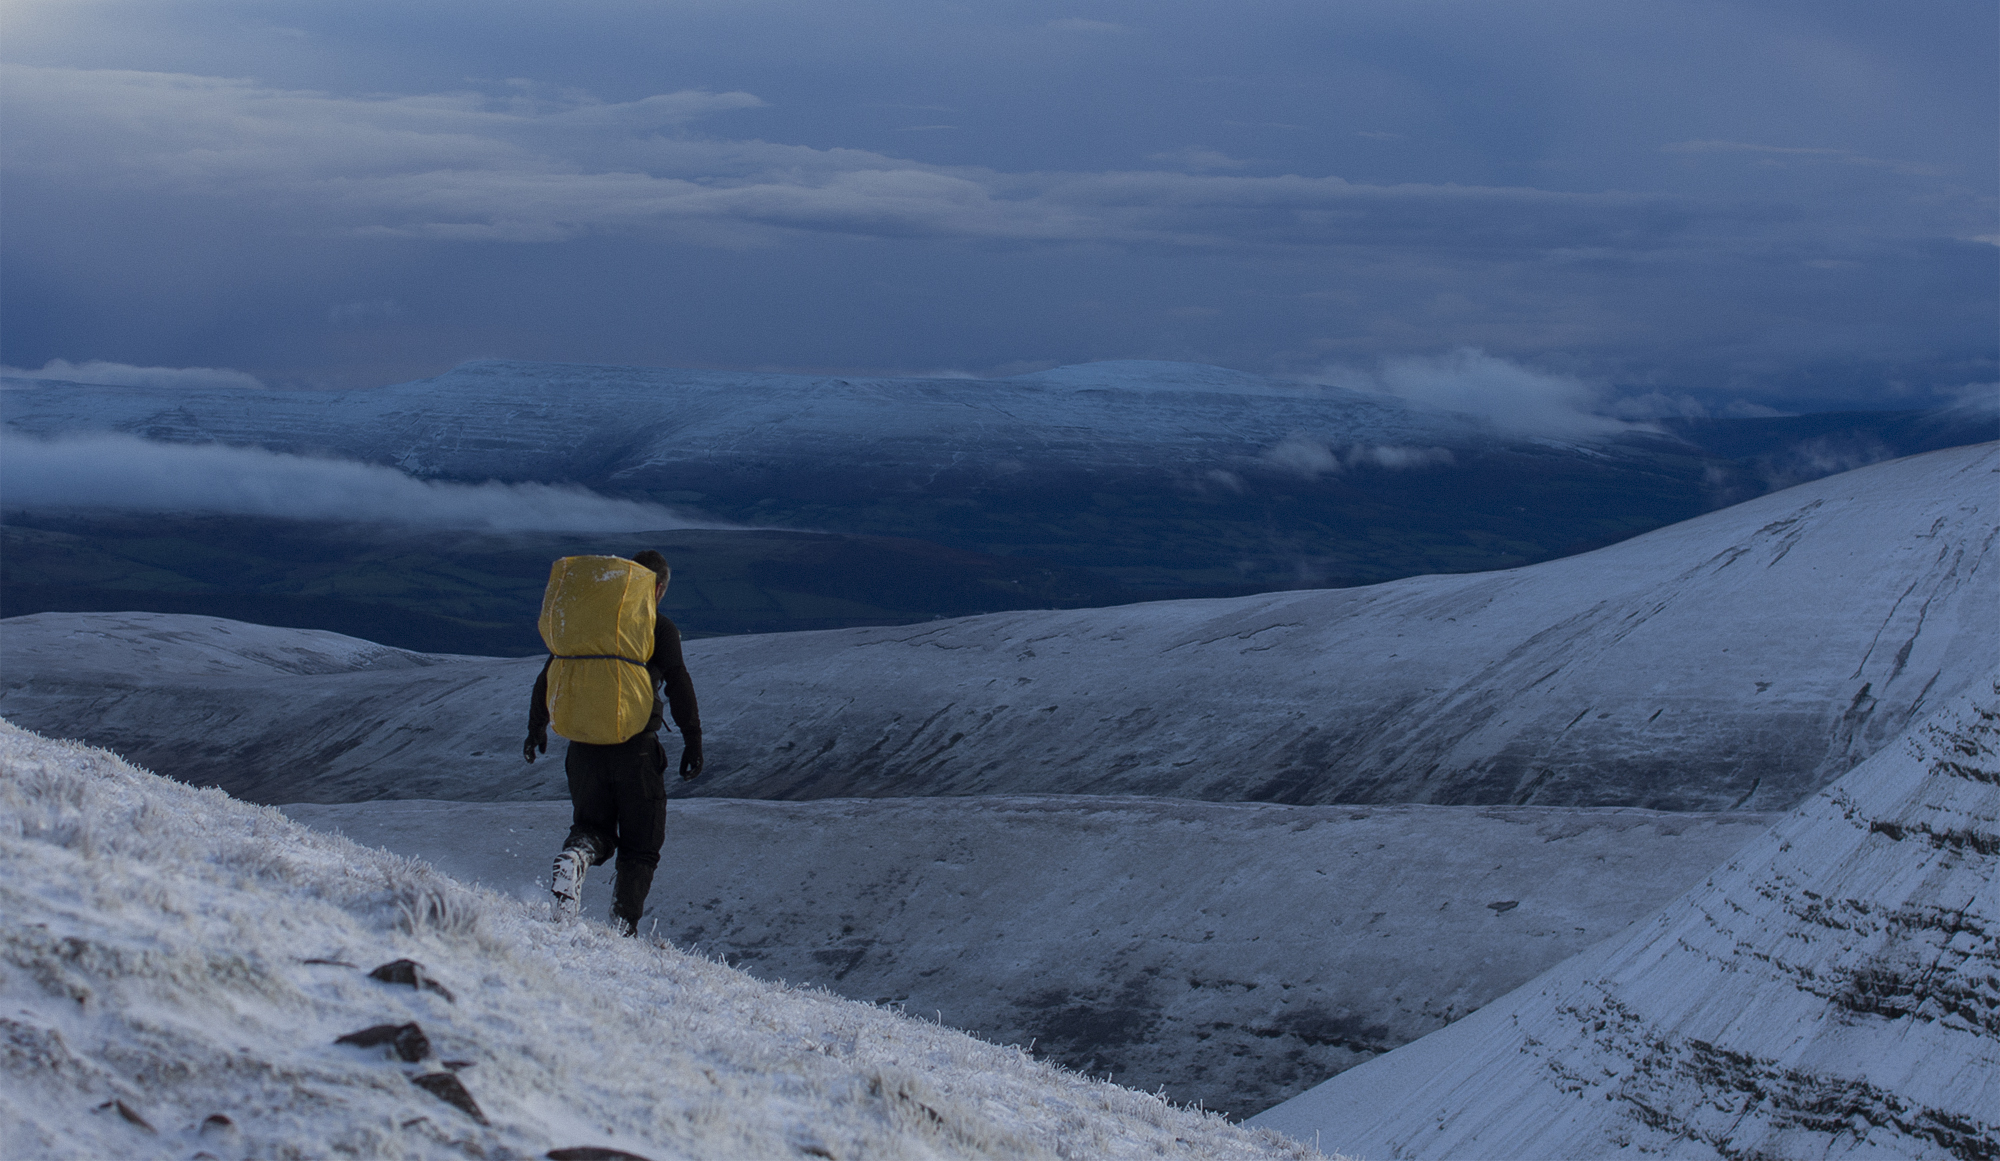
(1231, 953)
(882, 501)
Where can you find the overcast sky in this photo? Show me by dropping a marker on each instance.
(1789, 204)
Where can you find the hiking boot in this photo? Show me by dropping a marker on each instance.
(626, 927)
(566, 883)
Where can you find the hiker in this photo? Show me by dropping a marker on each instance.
(617, 783)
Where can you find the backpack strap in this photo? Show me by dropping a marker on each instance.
(595, 657)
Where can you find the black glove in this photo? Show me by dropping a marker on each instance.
(691, 757)
(538, 739)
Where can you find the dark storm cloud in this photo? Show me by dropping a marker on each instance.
(1706, 204)
(517, 169)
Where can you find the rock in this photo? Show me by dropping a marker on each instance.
(125, 1110)
(446, 1087)
(410, 972)
(407, 1040)
(591, 1153)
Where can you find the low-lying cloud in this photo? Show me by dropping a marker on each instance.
(127, 473)
(100, 373)
(1513, 398)
(1980, 399)
(1303, 457)
(1659, 405)
(1797, 463)
(1311, 459)
(1817, 458)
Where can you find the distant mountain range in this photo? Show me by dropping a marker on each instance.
(1090, 485)
(651, 431)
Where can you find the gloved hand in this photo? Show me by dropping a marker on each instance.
(691, 757)
(538, 739)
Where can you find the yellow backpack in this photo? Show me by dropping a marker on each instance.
(597, 620)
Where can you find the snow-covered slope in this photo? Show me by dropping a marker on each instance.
(625, 426)
(1739, 660)
(1833, 991)
(1155, 939)
(219, 702)
(177, 648)
(178, 967)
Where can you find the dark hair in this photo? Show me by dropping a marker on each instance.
(654, 561)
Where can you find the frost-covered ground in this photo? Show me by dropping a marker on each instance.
(1234, 953)
(1739, 660)
(1833, 991)
(178, 966)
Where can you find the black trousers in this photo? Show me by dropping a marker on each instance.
(619, 797)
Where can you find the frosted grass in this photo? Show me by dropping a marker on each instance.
(174, 955)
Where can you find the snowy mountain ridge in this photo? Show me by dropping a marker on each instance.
(1740, 660)
(179, 965)
(1832, 991)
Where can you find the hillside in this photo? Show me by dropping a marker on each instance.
(179, 966)
(1833, 991)
(1156, 940)
(1737, 661)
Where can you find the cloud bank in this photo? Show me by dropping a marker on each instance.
(99, 372)
(1311, 458)
(527, 168)
(1511, 397)
(132, 474)
(1675, 195)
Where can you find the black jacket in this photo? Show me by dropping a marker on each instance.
(667, 670)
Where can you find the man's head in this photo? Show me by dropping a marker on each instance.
(661, 570)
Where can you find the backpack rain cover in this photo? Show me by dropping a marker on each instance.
(597, 621)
